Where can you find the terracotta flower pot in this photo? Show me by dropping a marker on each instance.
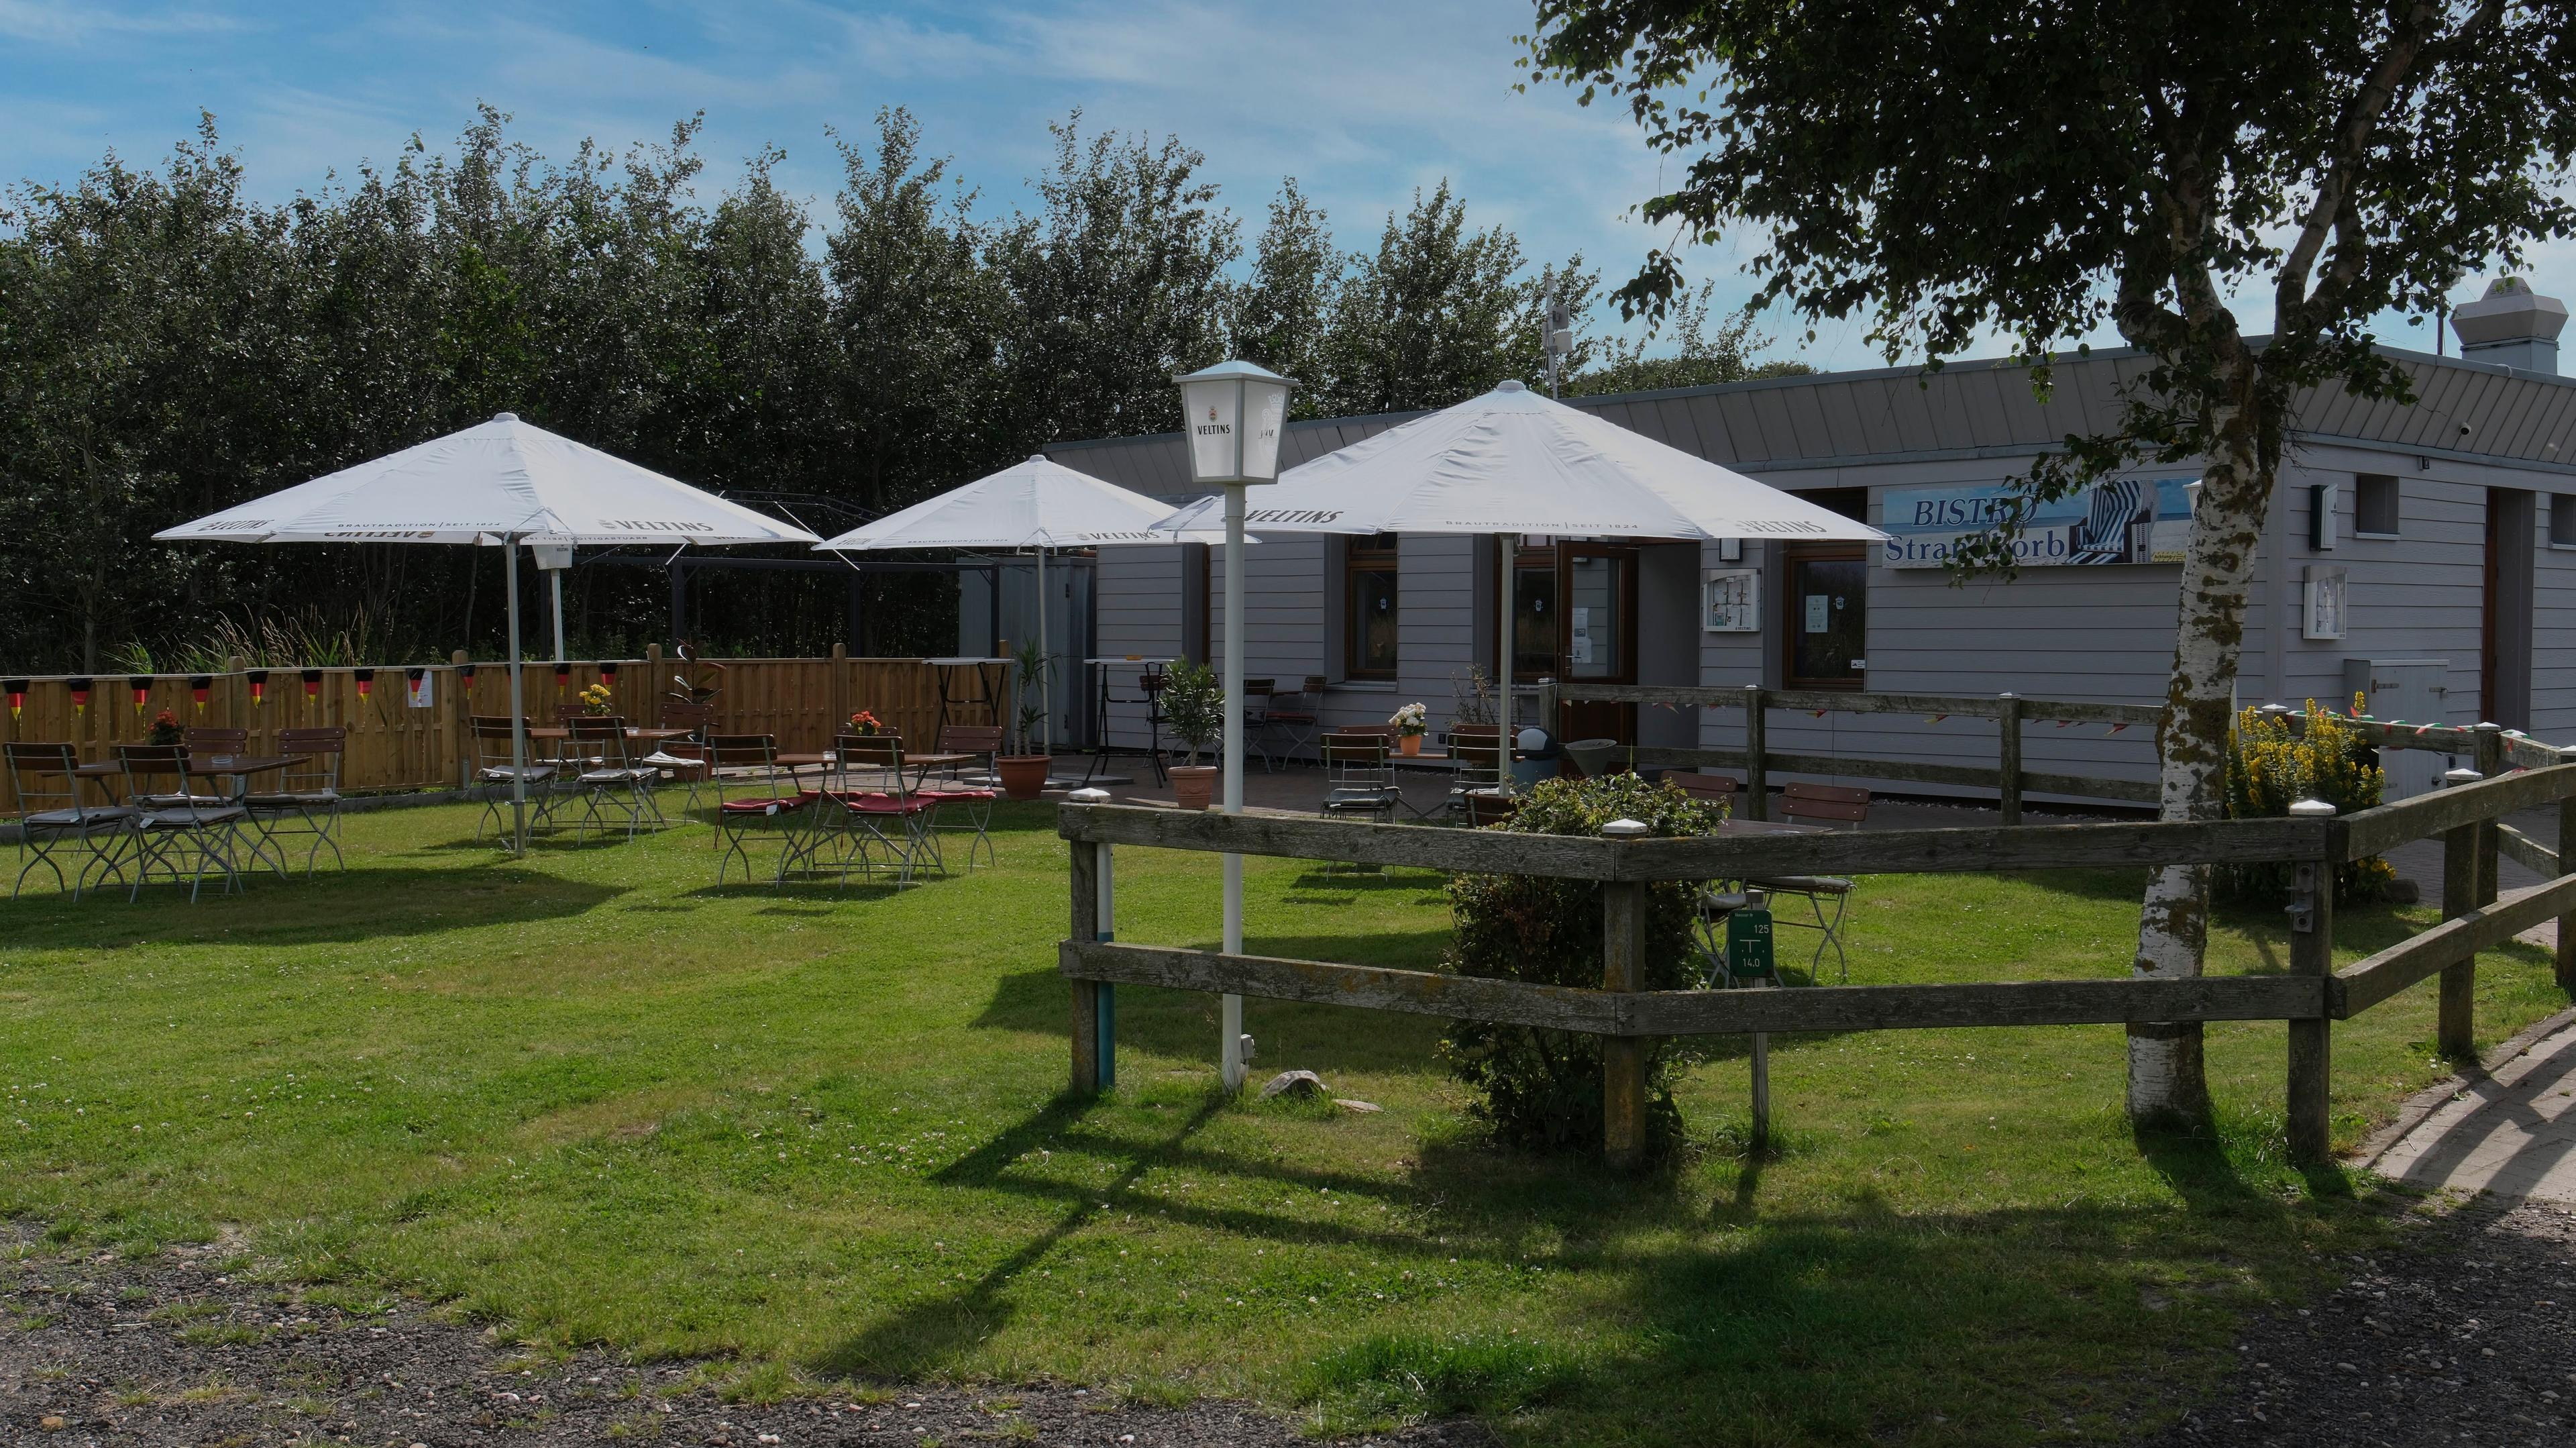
(1408, 744)
(1024, 776)
(1193, 785)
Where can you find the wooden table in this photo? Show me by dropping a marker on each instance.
(235, 766)
(558, 733)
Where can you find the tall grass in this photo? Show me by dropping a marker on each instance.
(309, 639)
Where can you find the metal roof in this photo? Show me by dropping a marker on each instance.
(2475, 411)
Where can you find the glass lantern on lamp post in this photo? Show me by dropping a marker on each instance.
(1232, 417)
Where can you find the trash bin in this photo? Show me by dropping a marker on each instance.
(1537, 752)
(1596, 756)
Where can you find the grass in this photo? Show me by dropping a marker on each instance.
(817, 1136)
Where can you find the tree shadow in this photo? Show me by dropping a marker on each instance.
(927, 1336)
(328, 907)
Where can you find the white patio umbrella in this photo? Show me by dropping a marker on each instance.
(503, 482)
(1035, 504)
(1512, 462)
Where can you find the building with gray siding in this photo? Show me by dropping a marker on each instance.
(2445, 563)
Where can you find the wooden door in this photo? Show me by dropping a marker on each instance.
(1596, 635)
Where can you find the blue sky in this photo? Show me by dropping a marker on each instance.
(1361, 100)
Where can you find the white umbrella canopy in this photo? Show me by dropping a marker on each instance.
(1512, 462)
(503, 482)
(499, 479)
(1034, 504)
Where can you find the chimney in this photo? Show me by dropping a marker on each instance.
(2511, 325)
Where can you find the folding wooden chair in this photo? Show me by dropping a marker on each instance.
(774, 808)
(494, 766)
(53, 815)
(1825, 804)
(1718, 789)
(973, 802)
(1476, 759)
(1358, 777)
(612, 782)
(849, 824)
(186, 835)
(306, 800)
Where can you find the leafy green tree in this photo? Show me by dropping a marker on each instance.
(1437, 314)
(1115, 285)
(1282, 309)
(1697, 356)
(2045, 170)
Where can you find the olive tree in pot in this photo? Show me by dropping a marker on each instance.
(1194, 706)
(1024, 773)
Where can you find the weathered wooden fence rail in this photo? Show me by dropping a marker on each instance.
(2309, 997)
(396, 743)
(2012, 716)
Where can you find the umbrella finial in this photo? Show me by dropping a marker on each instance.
(1511, 384)
(505, 417)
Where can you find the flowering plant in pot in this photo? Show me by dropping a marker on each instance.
(597, 700)
(866, 723)
(1024, 772)
(1411, 723)
(165, 730)
(1194, 707)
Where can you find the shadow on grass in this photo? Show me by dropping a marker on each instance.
(926, 1336)
(1176, 1023)
(330, 907)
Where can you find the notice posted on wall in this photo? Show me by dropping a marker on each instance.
(1579, 648)
(423, 695)
(2125, 520)
(1819, 612)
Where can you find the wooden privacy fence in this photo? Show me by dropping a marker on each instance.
(2310, 996)
(408, 724)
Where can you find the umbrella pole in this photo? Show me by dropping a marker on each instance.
(1506, 782)
(1046, 668)
(518, 708)
(555, 576)
(1230, 1009)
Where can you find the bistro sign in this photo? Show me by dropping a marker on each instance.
(2125, 520)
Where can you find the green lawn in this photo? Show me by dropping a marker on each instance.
(818, 1135)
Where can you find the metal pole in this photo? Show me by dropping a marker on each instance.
(1046, 671)
(518, 708)
(555, 577)
(1508, 784)
(1230, 1026)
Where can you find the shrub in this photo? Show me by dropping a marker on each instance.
(2270, 766)
(1194, 705)
(1542, 1088)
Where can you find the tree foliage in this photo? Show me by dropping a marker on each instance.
(2046, 169)
(170, 346)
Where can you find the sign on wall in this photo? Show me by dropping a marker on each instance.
(1732, 600)
(2126, 520)
(2321, 595)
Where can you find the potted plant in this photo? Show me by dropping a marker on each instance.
(166, 730)
(1024, 773)
(1411, 723)
(1194, 707)
(866, 724)
(597, 700)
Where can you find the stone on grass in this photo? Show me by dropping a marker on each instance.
(1353, 1103)
(1300, 1084)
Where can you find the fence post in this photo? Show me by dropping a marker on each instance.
(2311, 1084)
(2008, 757)
(1623, 1058)
(2490, 760)
(1757, 783)
(1085, 900)
(2460, 880)
(2567, 866)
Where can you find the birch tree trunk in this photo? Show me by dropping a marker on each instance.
(2167, 1086)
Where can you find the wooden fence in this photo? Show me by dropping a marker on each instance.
(396, 743)
(2012, 715)
(2310, 997)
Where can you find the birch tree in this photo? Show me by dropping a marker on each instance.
(2047, 169)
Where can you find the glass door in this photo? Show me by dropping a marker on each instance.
(1596, 624)
(1826, 618)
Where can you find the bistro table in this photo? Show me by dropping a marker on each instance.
(238, 767)
(1142, 664)
(992, 674)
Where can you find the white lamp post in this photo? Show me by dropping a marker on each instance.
(1233, 415)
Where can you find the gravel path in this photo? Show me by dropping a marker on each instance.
(167, 1351)
(2466, 1334)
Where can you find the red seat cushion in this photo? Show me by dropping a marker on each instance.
(870, 802)
(764, 806)
(952, 796)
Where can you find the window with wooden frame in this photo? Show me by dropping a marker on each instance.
(1369, 607)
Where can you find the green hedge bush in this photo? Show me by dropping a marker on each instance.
(1542, 1088)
